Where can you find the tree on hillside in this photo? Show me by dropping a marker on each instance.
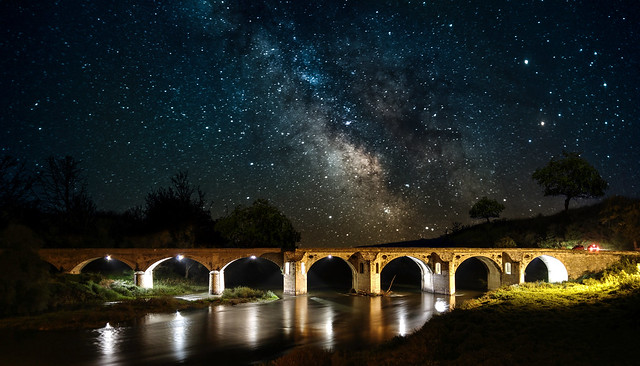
(63, 189)
(486, 208)
(258, 225)
(570, 176)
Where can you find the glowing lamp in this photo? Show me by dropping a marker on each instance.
(180, 257)
(108, 257)
(253, 257)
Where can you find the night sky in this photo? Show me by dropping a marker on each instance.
(363, 121)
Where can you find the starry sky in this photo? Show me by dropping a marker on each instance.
(363, 121)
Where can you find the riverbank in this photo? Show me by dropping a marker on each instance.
(90, 301)
(590, 321)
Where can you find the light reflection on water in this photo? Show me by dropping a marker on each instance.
(106, 342)
(179, 329)
(240, 334)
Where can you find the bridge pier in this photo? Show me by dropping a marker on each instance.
(294, 278)
(216, 282)
(367, 279)
(444, 279)
(512, 271)
(143, 279)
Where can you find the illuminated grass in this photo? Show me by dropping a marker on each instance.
(246, 293)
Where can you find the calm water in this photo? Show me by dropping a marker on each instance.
(230, 335)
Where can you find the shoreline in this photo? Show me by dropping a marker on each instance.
(93, 316)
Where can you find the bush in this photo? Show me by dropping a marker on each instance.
(247, 293)
(505, 242)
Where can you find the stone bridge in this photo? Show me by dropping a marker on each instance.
(437, 265)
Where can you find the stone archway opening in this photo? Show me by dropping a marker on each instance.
(546, 268)
(254, 272)
(181, 270)
(406, 274)
(330, 274)
(108, 267)
(477, 274)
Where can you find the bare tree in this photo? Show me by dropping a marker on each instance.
(63, 188)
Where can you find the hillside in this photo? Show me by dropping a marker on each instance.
(614, 224)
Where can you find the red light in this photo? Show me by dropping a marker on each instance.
(593, 248)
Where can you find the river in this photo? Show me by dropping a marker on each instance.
(230, 335)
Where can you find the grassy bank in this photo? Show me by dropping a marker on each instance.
(591, 321)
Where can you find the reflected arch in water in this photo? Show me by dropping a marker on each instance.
(546, 268)
(408, 271)
(478, 273)
(331, 273)
(252, 271)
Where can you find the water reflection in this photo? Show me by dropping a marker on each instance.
(441, 305)
(251, 326)
(376, 320)
(239, 334)
(106, 342)
(179, 328)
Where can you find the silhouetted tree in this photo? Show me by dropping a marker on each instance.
(570, 176)
(258, 225)
(63, 190)
(486, 208)
(180, 208)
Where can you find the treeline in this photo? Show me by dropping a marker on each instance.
(51, 207)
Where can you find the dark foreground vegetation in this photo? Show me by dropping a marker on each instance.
(586, 322)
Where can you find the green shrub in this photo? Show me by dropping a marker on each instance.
(247, 293)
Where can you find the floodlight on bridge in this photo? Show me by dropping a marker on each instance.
(253, 257)
(107, 257)
(329, 256)
(180, 257)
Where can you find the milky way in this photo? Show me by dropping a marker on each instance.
(364, 122)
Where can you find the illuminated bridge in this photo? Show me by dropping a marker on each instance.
(437, 265)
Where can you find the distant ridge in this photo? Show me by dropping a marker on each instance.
(426, 243)
(613, 224)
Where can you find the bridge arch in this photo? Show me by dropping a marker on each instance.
(426, 274)
(259, 259)
(252, 257)
(556, 270)
(493, 272)
(343, 258)
(77, 269)
(144, 278)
